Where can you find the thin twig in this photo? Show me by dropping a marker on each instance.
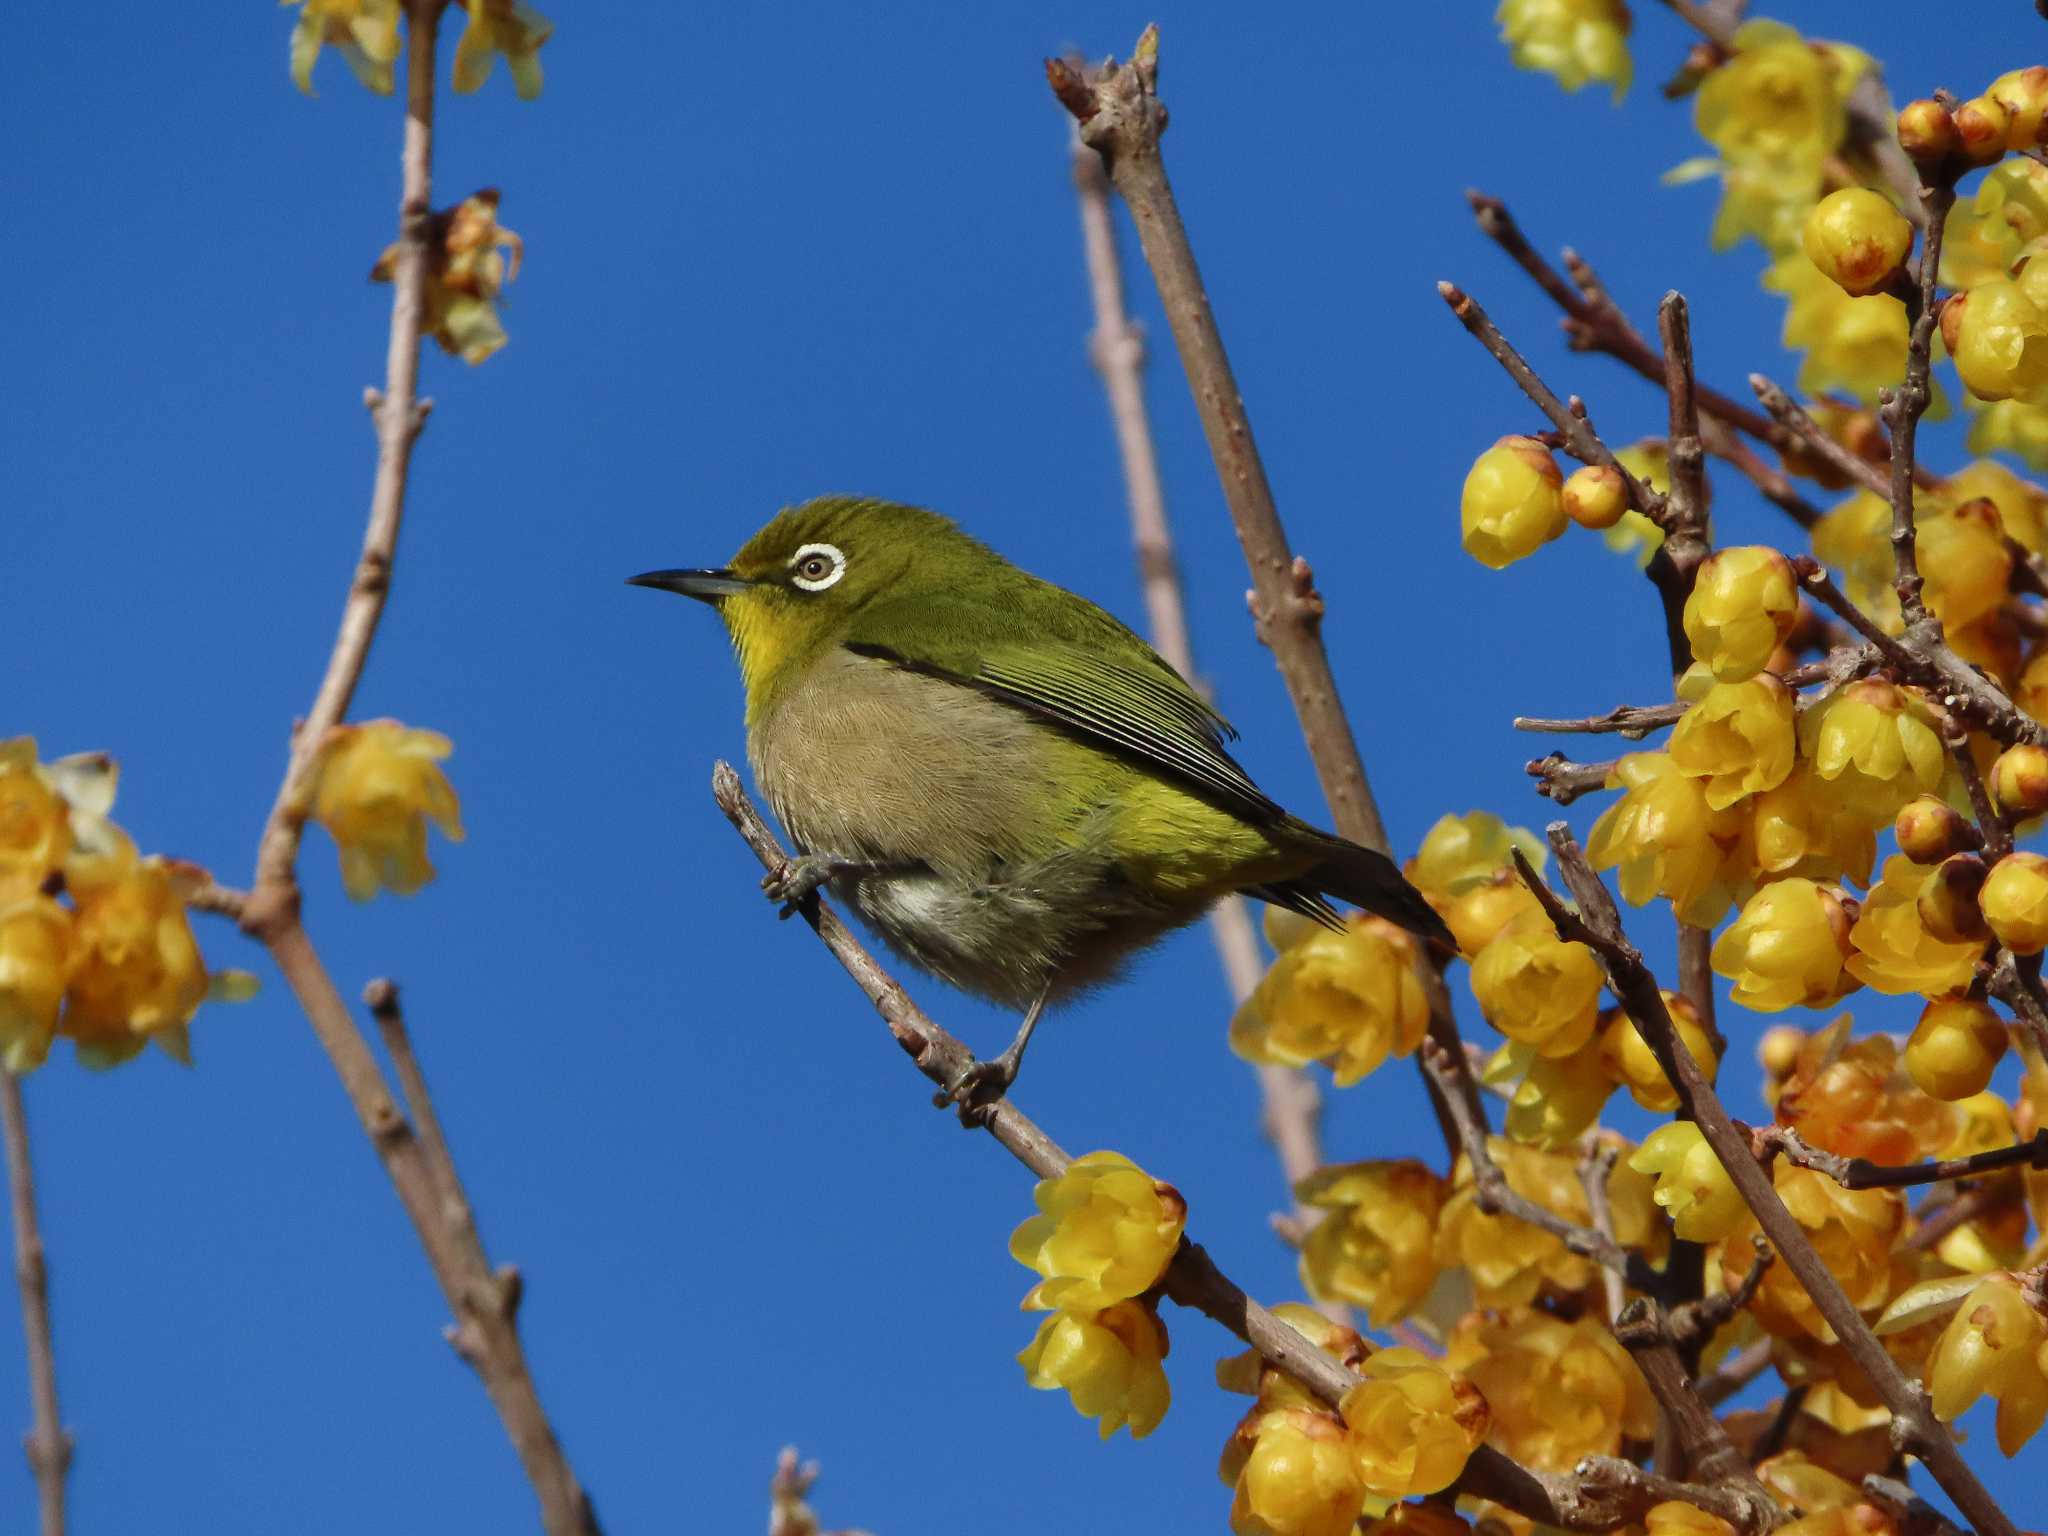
(1904, 406)
(1698, 1438)
(1560, 779)
(49, 1445)
(1734, 1373)
(1635, 721)
(1791, 415)
(381, 998)
(1862, 1173)
(1596, 1169)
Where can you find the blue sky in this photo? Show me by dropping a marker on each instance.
(773, 251)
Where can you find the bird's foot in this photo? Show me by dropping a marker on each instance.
(979, 1088)
(795, 881)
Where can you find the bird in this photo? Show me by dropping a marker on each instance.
(1006, 783)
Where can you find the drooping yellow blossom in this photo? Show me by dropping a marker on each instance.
(1413, 1423)
(1559, 1392)
(1692, 1184)
(137, 974)
(1510, 1261)
(1849, 1095)
(1293, 1472)
(1965, 562)
(1995, 1343)
(1857, 239)
(36, 952)
(364, 32)
(2015, 902)
(1537, 988)
(1552, 1100)
(1376, 1247)
(378, 785)
(1787, 948)
(1894, 951)
(1876, 744)
(1512, 503)
(1798, 829)
(1955, 1048)
(1744, 602)
(1803, 1484)
(2022, 505)
(1857, 346)
(466, 268)
(1667, 841)
(35, 823)
(1739, 739)
(1630, 1061)
(1851, 1229)
(1577, 42)
(1476, 916)
(1108, 1362)
(1105, 1230)
(1988, 233)
(1777, 96)
(1351, 999)
(1999, 339)
(2017, 427)
(1461, 852)
(510, 27)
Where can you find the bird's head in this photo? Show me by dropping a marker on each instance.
(794, 588)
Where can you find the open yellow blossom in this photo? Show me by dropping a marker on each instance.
(1413, 1423)
(1667, 841)
(1876, 744)
(1630, 1061)
(1894, 951)
(1777, 97)
(1461, 852)
(2017, 427)
(1739, 738)
(1797, 829)
(1376, 1247)
(1988, 232)
(1352, 999)
(1788, 947)
(1552, 1100)
(1857, 346)
(1512, 503)
(1577, 42)
(1105, 1230)
(1849, 1095)
(1510, 1261)
(36, 952)
(35, 823)
(1964, 561)
(510, 27)
(1558, 1391)
(1995, 1344)
(2022, 505)
(137, 974)
(1477, 915)
(1851, 1229)
(467, 265)
(363, 32)
(1293, 1472)
(1743, 603)
(1537, 988)
(1108, 1362)
(1692, 1184)
(1855, 537)
(378, 786)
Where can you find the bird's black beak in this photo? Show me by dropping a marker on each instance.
(705, 586)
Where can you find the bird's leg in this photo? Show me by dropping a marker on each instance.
(794, 881)
(984, 1082)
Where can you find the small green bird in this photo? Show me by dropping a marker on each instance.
(1012, 788)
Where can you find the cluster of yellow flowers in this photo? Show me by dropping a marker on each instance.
(365, 34)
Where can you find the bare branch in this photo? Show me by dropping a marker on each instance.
(1734, 1373)
(1697, 1436)
(49, 1444)
(1632, 721)
(1862, 1173)
(1791, 415)
(1596, 1169)
(1904, 406)
(788, 1512)
(1560, 779)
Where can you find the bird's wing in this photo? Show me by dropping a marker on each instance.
(1098, 680)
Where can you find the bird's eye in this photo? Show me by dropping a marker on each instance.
(816, 566)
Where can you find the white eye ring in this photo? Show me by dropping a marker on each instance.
(830, 552)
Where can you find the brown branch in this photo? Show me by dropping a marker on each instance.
(1734, 1373)
(788, 1490)
(2016, 982)
(1862, 1173)
(1930, 1226)
(381, 998)
(1596, 1170)
(1693, 1324)
(1903, 407)
(1560, 779)
(1791, 415)
(1698, 1438)
(1632, 721)
(49, 1445)
(1598, 924)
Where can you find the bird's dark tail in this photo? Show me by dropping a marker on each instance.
(1365, 879)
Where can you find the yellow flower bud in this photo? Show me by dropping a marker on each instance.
(2019, 780)
(1667, 841)
(2023, 93)
(1777, 1050)
(1553, 1099)
(378, 786)
(1876, 744)
(1377, 1246)
(1352, 999)
(1413, 1423)
(1692, 1186)
(1787, 948)
(1108, 1361)
(2001, 341)
(1981, 129)
(1294, 1474)
(35, 965)
(1537, 988)
(35, 826)
(1105, 1230)
(1744, 602)
(1513, 502)
(1739, 738)
(1955, 1047)
(1559, 1392)
(1965, 562)
(2015, 902)
(1992, 1345)
(1630, 1061)
(1478, 915)
(1894, 951)
(1927, 132)
(1948, 900)
(1595, 496)
(1929, 830)
(1858, 239)
(1461, 852)
(1575, 41)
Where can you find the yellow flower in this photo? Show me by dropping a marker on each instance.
(1376, 1247)
(1675, 1519)
(2017, 427)
(1250, 1373)
(365, 32)
(1427, 1519)
(1667, 841)
(1798, 829)
(1999, 340)
(510, 27)
(1512, 503)
(1776, 98)
(1554, 1099)
(1635, 535)
(1858, 239)
(1739, 739)
(1987, 234)
(1294, 1473)
(1476, 916)
(1849, 1096)
(378, 786)
(1855, 537)
(1461, 852)
(1106, 1230)
(1851, 1229)
(35, 824)
(1692, 1184)
(2015, 902)
(1595, 496)
(1630, 1061)
(1876, 744)
(35, 965)
(1857, 346)
(1559, 1392)
(1413, 1423)
(1576, 41)
(1352, 999)
(1994, 1344)
(1787, 948)
(465, 272)
(1964, 561)
(1537, 988)
(2022, 505)
(1894, 951)
(1955, 1048)
(1510, 1261)
(1744, 603)
(137, 972)
(1108, 1361)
